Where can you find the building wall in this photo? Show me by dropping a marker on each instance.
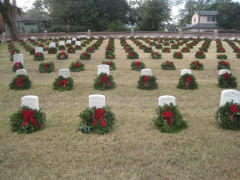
(203, 19)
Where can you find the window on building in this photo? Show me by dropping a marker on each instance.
(195, 19)
(213, 19)
(209, 19)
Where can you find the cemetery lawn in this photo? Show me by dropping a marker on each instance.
(135, 148)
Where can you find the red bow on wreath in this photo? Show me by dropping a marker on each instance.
(225, 63)
(108, 62)
(46, 66)
(146, 79)
(196, 64)
(99, 113)
(38, 54)
(155, 54)
(85, 54)
(167, 115)
(137, 64)
(225, 76)
(178, 54)
(19, 82)
(17, 64)
(77, 64)
(63, 54)
(28, 115)
(169, 64)
(233, 108)
(104, 78)
(200, 53)
(64, 81)
(188, 80)
(130, 54)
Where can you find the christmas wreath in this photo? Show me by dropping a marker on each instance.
(63, 84)
(147, 83)
(132, 55)
(137, 65)
(166, 50)
(97, 120)
(46, 67)
(62, 55)
(174, 46)
(152, 44)
(168, 65)
(196, 65)
(17, 66)
(227, 81)
(77, 47)
(27, 120)
(220, 50)
(203, 49)
(185, 49)
(85, 56)
(158, 46)
(222, 56)
(200, 55)
(90, 50)
(147, 49)
(169, 119)
(177, 55)
(38, 56)
(228, 116)
(52, 50)
(111, 64)
(76, 66)
(109, 55)
(61, 47)
(71, 49)
(20, 82)
(31, 51)
(238, 55)
(223, 65)
(104, 82)
(156, 55)
(187, 81)
(45, 49)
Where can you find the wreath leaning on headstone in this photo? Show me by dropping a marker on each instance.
(17, 66)
(228, 116)
(167, 65)
(169, 119)
(137, 65)
(97, 121)
(147, 83)
(20, 82)
(196, 65)
(46, 67)
(38, 56)
(76, 66)
(227, 81)
(111, 64)
(104, 82)
(187, 81)
(27, 120)
(63, 84)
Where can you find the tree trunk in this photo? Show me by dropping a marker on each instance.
(9, 20)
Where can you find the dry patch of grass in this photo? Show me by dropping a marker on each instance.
(134, 149)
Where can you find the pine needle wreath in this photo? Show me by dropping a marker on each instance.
(20, 82)
(104, 82)
(185, 50)
(200, 55)
(87, 120)
(38, 56)
(158, 46)
(63, 86)
(61, 47)
(221, 56)
(228, 116)
(174, 123)
(137, 65)
(238, 55)
(167, 65)
(76, 66)
(132, 55)
(46, 67)
(203, 49)
(85, 56)
(109, 55)
(196, 65)
(16, 66)
(111, 64)
(52, 50)
(71, 50)
(62, 56)
(187, 81)
(90, 50)
(147, 83)
(77, 47)
(223, 65)
(177, 55)
(147, 49)
(31, 51)
(166, 50)
(220, 50)
(174, 46)
(17, 120)
(227, 81)
(156, 55)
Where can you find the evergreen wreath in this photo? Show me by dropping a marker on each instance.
(71, 49)
(177, 55)
(147, 49)
(97, 121)
(45, 49)
(185, 50)
(147, 83)
(222, 56)
(223, 65)
(167, 65)
(132, 55)
(187, 81)
(27, 120)
(227, 81)
(203, 49)
(62, 47)
(109, 55)
(166, 50)
(76, 66)
(220, 50)
(137, 65)
(111, 64)
(156, 55)
(90, 50)
(38, 56)
(46, 67)
(17, 66)
(52, 50)
(174, 46)
(31, 51)
(20, 82)
(228, 116)
(77, 47)
(152, 43)
(169, 119)
(85, 56)
(196, 65)
(63, 84)
(104, 82)
(238, 55)
(62, 56)
(158, 46)
(200, 55)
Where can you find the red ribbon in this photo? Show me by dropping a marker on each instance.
(137, 64)
(85, 54)
(127, 49)
(146, 79)
(38, 54)
(46, 66)
(169, 64)
(178, 54)
(225, 76)
(233, 108)
(200, 53)
(108, 62)
(188, 79)
(99, 113)
(130, 54)
(166, 49)
(225, 63)
(28, 115)
(17, 65)
(64, 81)
(196, 64)
(63, 54)
(77, 64)
(110, 57)
(167, 115)
(104, 78)
(19, 82)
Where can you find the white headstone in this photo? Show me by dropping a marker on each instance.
(61, 43)
(69, 42)
(223, 71)
(52, 45)
(18, 58)
(96, 100)
(33, 38)
(39, 50)
(74, 39)
(103, 68)
(64, 73)
(30, 101)
(185, 71)
(162, 100)
(21, 71)
(78, 43)
(146, 72)
(230, 95)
